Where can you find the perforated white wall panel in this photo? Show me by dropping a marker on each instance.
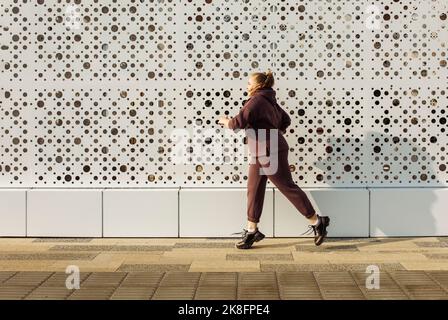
(92, 90)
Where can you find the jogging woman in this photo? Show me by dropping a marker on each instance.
(261, 111)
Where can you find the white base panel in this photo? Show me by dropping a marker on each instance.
(140, 213)
(348, 210)
(220, 212)
(12, 213)
(409, 212)
(64, 213)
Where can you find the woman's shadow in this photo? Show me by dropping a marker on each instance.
(391, 169)
(385, 164)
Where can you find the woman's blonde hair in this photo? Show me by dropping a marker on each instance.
(262, 80)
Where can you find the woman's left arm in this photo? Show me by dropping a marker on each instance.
(244, 117)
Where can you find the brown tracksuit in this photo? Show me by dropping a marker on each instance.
(261, 111)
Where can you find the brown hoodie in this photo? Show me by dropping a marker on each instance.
(261, 111)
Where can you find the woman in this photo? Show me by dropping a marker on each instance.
(261, 111)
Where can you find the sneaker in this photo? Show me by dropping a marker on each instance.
(248, 238)
(320, 229)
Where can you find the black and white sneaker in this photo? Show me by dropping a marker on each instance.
(248, 238)
(320, 229)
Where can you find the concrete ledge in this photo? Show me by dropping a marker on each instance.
(217, 212)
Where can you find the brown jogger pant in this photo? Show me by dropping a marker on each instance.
(282, 179)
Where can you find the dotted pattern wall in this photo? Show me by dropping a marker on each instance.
(91, 91)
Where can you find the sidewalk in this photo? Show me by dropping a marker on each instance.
(287, 268)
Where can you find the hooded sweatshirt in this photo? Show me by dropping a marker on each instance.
(261, 111)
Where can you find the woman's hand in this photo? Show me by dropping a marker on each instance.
(224, 120)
